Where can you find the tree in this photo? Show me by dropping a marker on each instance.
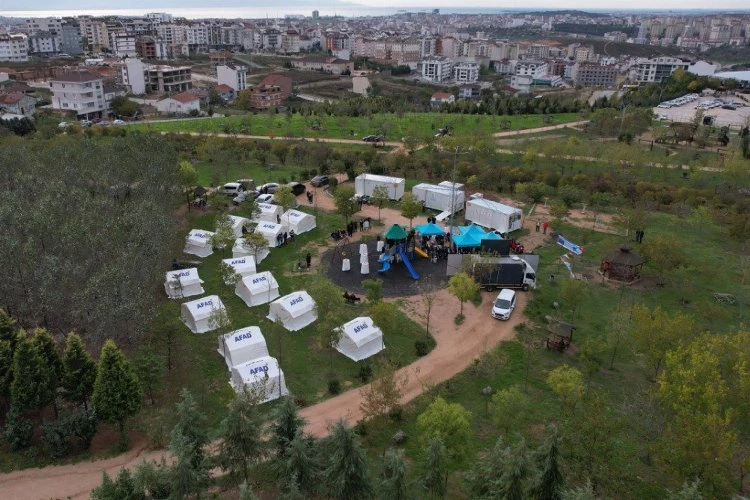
(28, 391)
(379, 198)
(373, 289)
(285, 198)
(47, 350)
(300, 464)
(8, 329)
(188, 438)
(117, 393)
(567, 383)
(559, 210)
(428, 293)
(383, 395)
(654, 333)
(393, 477)
(329, 304)
(385, 316)
(6, 372)
(434, 475)
(246, 493)
(240, 431)
(18, 430)
(485, 480)
(224, 236)
(123, 106)
(346, 472)
(573, 294)
(188, 177)
(585, 492)
(149, 367)
(689, 491)
(451, 422)
(346, 205)
(285, 424)
(550, 483)
(463, 287)
(410, 207)
(662, 253)
(79, 372)
(534, 191)
(508, 408)
(256, 244)
(153, 479)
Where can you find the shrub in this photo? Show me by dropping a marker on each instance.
(334, 386)
(83, 426)
(18, 430)
(421, 347)
(333, 182)
(55, 438)
(365, 373)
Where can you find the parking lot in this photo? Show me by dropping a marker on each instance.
(686, 112)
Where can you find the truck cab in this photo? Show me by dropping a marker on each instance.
(505, 272)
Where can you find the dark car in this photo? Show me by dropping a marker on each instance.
(297, 188)
(373, 138)
(319, 180)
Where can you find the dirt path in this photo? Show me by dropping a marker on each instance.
(513, 133)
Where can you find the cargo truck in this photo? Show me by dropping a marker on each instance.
(506, 272)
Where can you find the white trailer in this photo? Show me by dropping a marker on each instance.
(494, 215)
(439, 198)
(365, 183)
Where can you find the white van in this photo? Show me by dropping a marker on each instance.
(504, 304)
(232, 189)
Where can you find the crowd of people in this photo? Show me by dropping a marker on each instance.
(283, 238)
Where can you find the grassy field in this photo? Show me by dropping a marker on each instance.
(306, 366)
(624, 425)
(394, 126)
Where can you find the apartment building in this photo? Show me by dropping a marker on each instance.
(71, 41)
(658, 69)
(79, 92)
(322, 63)
(531, 68)
(123, 44)
(96, 33)
(271, 92)
(594, 75)
(141, 78)
(466, 72)
(44, 43)
(49, 24)
(148, 47)
(436, 68)
(14, 48)
(232, 75)
(290, 42)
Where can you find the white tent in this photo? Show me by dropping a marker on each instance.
(197, 314)
(268, 213)
(241, 346)
(238, 223)
(244, 266)
(297, 221)
(360, 339)
(257, 289)
(261, 377)
(295, 311)
(439, 197)
(365, 183)
(198, 242)
(183, 283)
(491, 214)
(271, 230)
(240, 250)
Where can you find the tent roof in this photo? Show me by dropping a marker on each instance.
(296, 303)
(258, 368)
(270, 228)
(626, 257)
(269, 208)
(203, 308)
(472, 236)
(199, 237)
(395, 232)
(361, 330)
(238, 221)
(260, 282)
(430, 229)
(239, 263)
(494, 206)
(243, 337)
(186, 276)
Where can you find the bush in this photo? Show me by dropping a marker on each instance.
(421, 347)
(333, 182)
(18, 430)
(365, 373)
(83, 426)
(334, 386)
(55, 438)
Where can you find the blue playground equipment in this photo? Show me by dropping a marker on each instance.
(385, 260)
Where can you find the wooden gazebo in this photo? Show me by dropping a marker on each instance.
(622, 265)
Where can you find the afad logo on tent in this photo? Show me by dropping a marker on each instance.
(259, 279)
(236, 261)
(243, 336)
(359, 328)
(258, 369)
(296, 300)
(205, 303)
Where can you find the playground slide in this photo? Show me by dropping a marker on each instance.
(385, 262)
(408, 265)
(421, 253)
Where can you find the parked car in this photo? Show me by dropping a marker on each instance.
(86, 123)
(232, 188)
(104, 123)
(297, 188)
(118, 122)
(247, 184)
(242, 196)
(319, 180)
(504, 304)
(269, 187)
(63, 125)
(373, 138)
(265, 198)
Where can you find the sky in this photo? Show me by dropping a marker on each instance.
(162, 5)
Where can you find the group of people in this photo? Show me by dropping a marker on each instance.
(350, 297)
(544, 225)
(282, 238)
(308, 261)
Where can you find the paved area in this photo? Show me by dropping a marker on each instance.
(686, 112)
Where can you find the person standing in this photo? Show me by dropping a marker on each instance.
(538, 225)
(544, 227)
(308, 259)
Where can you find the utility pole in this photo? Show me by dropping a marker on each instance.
(453, 191)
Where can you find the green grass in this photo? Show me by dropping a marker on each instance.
(306, 366)
(394, 126)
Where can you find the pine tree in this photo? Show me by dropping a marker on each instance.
(6, 372)
(393, 483)
(246, 492)
(241, 441)
(346, 473)
(117, 392)
(46, 348)
(434, 468)
(300, 464)
(106, 490)
(190, 471)
(79, 372)
(18, 430)
(7, 328)
(149, 367)
(286, 422)
(551, 482)
(26, 390)
(153, 479)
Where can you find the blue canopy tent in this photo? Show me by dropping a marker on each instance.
(472, 236)
(429, 229)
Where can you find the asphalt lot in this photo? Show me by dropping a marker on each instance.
(686, 112)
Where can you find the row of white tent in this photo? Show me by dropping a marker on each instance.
(199, 242)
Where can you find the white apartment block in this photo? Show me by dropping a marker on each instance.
(233, 75)
(123, 44)
(80, 92)
(436, 68)
(50, 24)
(197, 35)
(95, 32)
(14, 48)
(44, 43)
(658, 69)
(466, 72)
(534, 69)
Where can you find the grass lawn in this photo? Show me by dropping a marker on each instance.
(306, 366)
(394, 126)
